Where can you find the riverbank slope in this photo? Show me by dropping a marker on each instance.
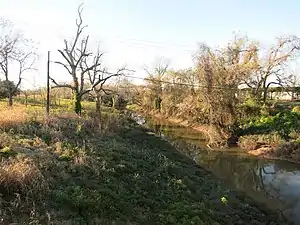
(269, 146)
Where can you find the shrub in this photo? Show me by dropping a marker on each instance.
(250, 108)
(289, 150)
(252, 142)
(282, 123)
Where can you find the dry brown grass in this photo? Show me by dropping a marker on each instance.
(22, 175)
(10, 117)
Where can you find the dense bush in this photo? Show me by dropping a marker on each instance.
(246, 111)
(284, 123)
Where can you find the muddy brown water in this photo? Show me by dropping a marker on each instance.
(274, 183)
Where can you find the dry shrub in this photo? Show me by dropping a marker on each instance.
(110, 123)
(248, 142)
(189, 107)
(217, 138)
(106, 124)
(289, 150)
(22, 175)
(253, 142)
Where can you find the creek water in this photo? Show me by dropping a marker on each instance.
(274, 183)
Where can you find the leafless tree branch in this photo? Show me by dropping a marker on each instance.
(57, 85)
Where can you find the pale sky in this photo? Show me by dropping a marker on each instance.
(138, 32)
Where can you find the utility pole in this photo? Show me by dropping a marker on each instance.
(48, 85)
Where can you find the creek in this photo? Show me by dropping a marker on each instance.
(274, 183)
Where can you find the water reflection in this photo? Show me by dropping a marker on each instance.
(174, 131)
(274, 183)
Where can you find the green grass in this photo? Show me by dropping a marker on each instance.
(67, 170)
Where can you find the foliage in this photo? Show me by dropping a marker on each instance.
(283, 123)
(220, 72)
(210, 92)
(249, 109)
(132, 107)
(296, 109)
(4, 89)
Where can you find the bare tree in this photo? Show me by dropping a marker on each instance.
(74, 54)
(293, 85)
(155, 82)
(97, 77)
(15, 52)
(271, 68)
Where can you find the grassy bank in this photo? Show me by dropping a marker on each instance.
(68, 170)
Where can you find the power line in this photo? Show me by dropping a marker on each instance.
(176, 83)
(143, 45)
(168, 82)
(154, 42)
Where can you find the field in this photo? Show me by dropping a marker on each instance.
(65, 169)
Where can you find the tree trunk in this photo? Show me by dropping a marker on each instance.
(77, 103)
(98, 109)
(10, 99)
(26, 100)
(98, 105)
(265, 90)
(265, 95)
(114, 102)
